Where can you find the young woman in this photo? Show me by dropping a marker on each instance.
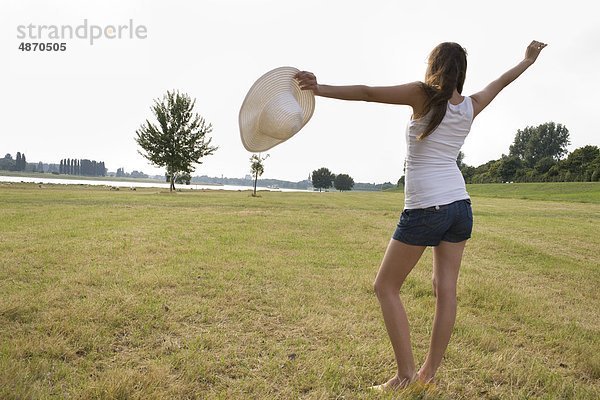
(437, 209)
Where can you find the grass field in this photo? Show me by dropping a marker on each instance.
(219, 295)
(580, 192)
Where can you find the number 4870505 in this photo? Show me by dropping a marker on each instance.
(25, 46)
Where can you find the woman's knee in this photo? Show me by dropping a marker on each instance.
(383, 288)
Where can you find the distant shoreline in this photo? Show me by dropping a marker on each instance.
(43, 175)
(51, 179)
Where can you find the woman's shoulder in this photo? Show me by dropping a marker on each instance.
(421, 95)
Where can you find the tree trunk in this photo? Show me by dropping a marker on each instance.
(255, 180)
(172, 186)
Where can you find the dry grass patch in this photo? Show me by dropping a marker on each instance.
(146, 294)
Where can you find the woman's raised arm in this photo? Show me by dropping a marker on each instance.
(483, 98)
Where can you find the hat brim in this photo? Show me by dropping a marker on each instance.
(264, 89)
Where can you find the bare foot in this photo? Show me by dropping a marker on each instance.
(424, 377)
(395, 383)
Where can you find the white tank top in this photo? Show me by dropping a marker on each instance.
(432, 175)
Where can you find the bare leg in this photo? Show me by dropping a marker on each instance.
(398, 261)
(446, 264)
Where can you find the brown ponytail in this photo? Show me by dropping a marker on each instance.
(446, 71)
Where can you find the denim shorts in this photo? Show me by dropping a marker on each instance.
(429, 226)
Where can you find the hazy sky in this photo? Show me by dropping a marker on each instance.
(87, 101)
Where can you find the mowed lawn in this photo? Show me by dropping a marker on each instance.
(218, 295)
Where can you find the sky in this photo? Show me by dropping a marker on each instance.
(88, 101)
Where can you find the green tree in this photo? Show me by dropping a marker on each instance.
(467, 171)
(594, 169)
(507, 168)
(184, 179)
(483, 174)
(543, 165)
(20, 162)
(401, 181)
(322, 178)
(344, 182)
(179, 140)
(142, 175)
(581, 162)
(7, 163)
(257, 168)
(534, 143)
(459, 160)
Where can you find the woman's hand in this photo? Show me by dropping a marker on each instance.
(533, 51)
(307, 81)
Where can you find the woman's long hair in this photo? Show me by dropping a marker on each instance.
(446, 70)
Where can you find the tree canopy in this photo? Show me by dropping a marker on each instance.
(322, 178)
(343, 182)
(179, 140)
(533, 144)
(20, 162)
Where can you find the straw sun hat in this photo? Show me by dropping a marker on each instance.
(274, 110)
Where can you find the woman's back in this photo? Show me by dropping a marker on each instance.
(432, 175)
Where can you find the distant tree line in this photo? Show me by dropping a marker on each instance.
(248, 181)
(82, 167)
(323, 178)
(19, 163)
(305, 184)
(10, 164)
(134, 174)
(538, 155)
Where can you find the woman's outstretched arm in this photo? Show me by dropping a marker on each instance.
(485, 97)
(408, 94)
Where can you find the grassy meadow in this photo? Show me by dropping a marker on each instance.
(218, 295)
(580, 192)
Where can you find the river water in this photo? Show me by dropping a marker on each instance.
(129, 184)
